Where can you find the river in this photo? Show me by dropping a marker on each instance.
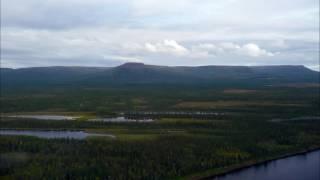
(298, 167)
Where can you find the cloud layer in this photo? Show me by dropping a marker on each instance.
(250, 49)
(180, 32)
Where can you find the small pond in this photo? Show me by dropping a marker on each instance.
(44, 117)
(53, 134)
(122, 120)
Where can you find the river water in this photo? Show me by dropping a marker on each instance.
(298, 167)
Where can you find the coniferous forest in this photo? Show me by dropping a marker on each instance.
(246, 125)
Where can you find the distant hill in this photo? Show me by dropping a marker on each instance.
(139, 73)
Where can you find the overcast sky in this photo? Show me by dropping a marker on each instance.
(161, 32)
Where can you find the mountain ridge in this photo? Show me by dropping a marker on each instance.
(132, 64)
(139, 73)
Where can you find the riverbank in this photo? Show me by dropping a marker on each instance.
(211, 174)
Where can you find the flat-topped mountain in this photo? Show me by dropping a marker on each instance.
(139, 73)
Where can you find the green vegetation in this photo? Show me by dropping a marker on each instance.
(168, 148)
(160, 98)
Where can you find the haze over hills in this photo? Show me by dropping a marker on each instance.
(139, 73)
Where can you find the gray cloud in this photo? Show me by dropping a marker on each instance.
(58, 14)
(180, 32)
